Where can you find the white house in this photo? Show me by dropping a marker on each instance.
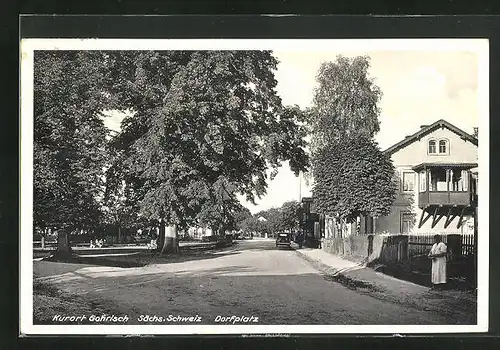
(436, 168)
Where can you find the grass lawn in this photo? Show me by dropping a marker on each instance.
(48, 301)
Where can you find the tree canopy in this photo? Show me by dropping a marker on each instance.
(290, 215)
(69, 138)
(345, 101)
(352, 176)
(202, 127)
(206, 125)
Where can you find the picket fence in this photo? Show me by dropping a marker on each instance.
(421, 243)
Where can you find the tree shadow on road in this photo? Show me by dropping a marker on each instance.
(145, 258)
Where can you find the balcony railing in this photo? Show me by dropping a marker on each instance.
(462, 198)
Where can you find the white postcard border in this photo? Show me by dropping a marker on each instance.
(28, 46)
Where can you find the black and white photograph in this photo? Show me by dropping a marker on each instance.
(244, 186)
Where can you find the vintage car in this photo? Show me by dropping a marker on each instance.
(283, 240)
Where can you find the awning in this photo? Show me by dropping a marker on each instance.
(464, 166)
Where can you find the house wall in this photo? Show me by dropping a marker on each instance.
(416, 152)
(460, 151)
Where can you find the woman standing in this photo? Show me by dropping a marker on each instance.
(438, 256)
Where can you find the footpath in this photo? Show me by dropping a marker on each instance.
(357, 276)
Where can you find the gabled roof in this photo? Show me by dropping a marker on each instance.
(428, 129)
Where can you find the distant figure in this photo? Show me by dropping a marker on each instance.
(300, 240)
(438, 257)
(152, 244)
(92, 245)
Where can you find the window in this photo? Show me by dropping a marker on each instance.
(438, 180)
(408, 181)
(432, 146)
(457, 180)
(407, 221)
(423, 181)
(443, 146)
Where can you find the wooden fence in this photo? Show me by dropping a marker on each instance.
(459, 244)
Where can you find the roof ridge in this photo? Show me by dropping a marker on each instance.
(424, 129)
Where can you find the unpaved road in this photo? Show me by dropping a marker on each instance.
(252, 278)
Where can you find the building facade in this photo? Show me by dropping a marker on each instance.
(436, 172)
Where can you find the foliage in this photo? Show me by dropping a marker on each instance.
(345, 101)
(240, 217)
(274, 220)
(354, 178)
(277, 219)
(251, 224)
(290, 215)
(204, 127)
(69, 138)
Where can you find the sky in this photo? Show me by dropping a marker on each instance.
(419, 87)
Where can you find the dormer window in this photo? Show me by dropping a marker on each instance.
(443, 146)
(432, 147)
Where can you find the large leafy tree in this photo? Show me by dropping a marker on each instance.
(251, 224)
(69, 139)
(240, 216)
(352, 177)
(345, 101)
(205, 126)
(290, 212)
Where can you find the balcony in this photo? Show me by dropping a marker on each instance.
(446, 185)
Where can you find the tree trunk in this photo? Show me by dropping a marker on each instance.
(170, 242)
(161, 236)
(221, 232)
(44, 233)
(119, 233)
(63, 243)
